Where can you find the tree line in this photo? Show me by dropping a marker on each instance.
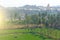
(45, 18)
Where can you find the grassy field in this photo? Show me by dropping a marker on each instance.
(30, 34)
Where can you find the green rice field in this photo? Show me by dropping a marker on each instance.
(30, 34)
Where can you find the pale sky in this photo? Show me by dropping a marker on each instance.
(12, 3)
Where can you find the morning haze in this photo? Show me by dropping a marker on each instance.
(29, 19)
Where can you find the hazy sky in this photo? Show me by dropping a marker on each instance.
(12, 3)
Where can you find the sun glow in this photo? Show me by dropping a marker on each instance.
(2, 17)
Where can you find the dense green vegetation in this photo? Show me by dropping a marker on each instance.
(49, 20)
